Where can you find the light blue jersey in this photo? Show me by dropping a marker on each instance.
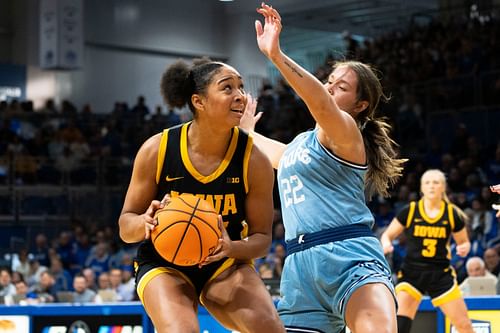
(319, 190)
(322, 193)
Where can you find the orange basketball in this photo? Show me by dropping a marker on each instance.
(187, 230)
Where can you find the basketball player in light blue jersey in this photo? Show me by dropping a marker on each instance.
(335, 274)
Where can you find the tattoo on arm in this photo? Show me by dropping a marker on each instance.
(294, 70)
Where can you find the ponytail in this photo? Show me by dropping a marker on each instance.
(384, 168)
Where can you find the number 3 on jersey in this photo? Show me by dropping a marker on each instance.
(429, 250)
(291, 190)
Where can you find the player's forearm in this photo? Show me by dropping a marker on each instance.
(132, 228)
(273, 149)
(306, 85)
(255, 246)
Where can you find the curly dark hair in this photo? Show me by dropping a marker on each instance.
(180, 81)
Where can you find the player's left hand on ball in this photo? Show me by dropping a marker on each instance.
(223, 248)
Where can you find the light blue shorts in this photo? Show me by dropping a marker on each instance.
(316, 283)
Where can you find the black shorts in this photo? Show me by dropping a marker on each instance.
(148, 259)
(432, 281)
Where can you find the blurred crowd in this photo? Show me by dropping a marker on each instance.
(67, 145)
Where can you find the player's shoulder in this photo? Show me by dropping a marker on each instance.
(152, 142)
(149, 149)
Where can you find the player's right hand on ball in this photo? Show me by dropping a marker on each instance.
(150, 222)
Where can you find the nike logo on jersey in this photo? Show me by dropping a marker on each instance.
(418, 220)
(171, 179)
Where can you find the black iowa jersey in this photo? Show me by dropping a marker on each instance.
(427, 240)
(225, 188)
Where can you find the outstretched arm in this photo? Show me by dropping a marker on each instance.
(339, 126)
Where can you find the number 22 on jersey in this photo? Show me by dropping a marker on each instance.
(291, 188)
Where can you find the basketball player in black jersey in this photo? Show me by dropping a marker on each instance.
(428, 225)
(212, 158)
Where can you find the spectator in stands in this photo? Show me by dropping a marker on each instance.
(22, 264)
(41, 250)
(140, 110)
(91, 278)
(50, 107)
(66, 164)
(82, 293)
(16, 276)
(115, 279)
(35, 272)
(23, 296)
(65, 249)
(483, 223)
(126, 290)
(62, 277)
(103, 282)
(104, 292)
(492, 260)
(45, 290)
(81, 250)
(383, 217)
(475, 268)
(99, 260)
(6, 286)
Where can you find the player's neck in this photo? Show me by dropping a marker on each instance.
(432, 205)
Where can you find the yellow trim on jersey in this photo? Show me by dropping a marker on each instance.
(220, 169)
(451, 295)
(246, 161)
(421, 208)
(451, 217)
(161, 154)
(410, 214)
(146, 278)
(408, 288)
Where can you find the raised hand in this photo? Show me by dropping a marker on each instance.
(268, 35)
(249, 118)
